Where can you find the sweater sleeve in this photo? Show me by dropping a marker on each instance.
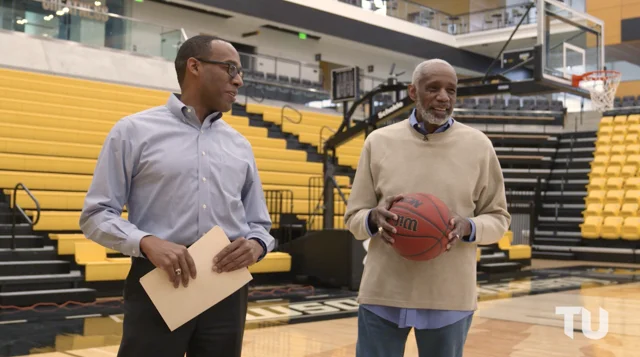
(363, 196)
(492, 219)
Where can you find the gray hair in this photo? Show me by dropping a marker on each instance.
(423, 67)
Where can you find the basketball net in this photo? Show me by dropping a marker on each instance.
(602, 86)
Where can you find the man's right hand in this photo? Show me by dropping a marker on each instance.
(379, 216)
(169, 257)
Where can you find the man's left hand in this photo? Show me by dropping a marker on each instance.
(239, 254)
(459, 227)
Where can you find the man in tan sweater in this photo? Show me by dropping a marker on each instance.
(428, 153)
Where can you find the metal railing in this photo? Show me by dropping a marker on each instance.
(455, 24)
(524, 205)
(248, 90)
(279, 203)
(277, 67)
(60, 19)
(283, 117)
(321, 139)
(15, 208)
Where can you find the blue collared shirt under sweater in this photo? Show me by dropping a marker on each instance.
(421, 318)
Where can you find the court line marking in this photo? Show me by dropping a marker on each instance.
(12, 322)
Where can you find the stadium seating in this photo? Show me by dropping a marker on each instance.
(50, 140)
(613, 192)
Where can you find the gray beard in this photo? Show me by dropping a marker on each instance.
(428, 117)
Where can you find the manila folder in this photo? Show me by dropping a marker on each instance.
(178, 306)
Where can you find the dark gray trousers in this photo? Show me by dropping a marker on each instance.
(216, 332)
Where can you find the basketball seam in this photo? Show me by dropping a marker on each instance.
(415, 237)
(425, 251)
(437, 210)
(424, 218)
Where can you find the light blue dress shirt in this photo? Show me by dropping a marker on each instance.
(421, 318)
(178, 179)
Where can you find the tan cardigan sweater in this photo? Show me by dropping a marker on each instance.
(460, 167)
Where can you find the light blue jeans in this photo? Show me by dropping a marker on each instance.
(378, 337)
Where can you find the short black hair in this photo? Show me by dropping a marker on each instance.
(198, 47)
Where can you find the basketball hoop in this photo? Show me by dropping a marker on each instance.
(602, 86)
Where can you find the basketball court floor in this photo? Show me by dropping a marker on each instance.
(515, 318)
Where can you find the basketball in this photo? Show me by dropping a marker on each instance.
(422, 226)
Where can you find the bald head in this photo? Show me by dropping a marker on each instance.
(431, 66)
(434, 88)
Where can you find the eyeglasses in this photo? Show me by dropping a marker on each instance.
(232, 69)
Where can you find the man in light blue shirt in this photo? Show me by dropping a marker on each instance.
(181, 170)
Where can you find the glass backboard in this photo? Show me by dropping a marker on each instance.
(572, 41)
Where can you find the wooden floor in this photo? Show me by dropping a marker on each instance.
(513, 327)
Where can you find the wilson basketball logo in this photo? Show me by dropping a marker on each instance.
(407, 223)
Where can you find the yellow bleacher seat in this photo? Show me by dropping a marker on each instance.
(631, 228)
(273, 262)
(514, 252)
(620, 130)
(628, 171)
(629, 210)
(619, 120)
(593, 209)
(606, 121)
(98, 267)
(597, 171)
(613, 170)
(595, 196)
(633, 128)
(53, 121)
(591, 227)
(614, 183)
(618, 150)
(633, 160)
(600, 160)
(604, 140)
(632, 183)
(618, 160)
(612, 228)
(617, 139)
(49, 148)
(632, 196)
(631, 138)
(611, 210)
(66, 243)
(632, 149)
(597, 183)
(633, 119)
(606, 130)
(603, 150)
(614, 196)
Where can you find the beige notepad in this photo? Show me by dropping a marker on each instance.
(178, 306)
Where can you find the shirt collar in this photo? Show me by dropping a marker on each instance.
(419, 126)
(187, 114)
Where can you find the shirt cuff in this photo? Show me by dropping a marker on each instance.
(368, 227)
(131, 246)
(472, 237)
(264, 248)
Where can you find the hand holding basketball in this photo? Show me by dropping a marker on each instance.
(459, 227)
(380, 215)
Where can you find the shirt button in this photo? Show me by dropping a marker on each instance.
(203, 154)
(201, 131)
(204, 179)
(204, 206)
